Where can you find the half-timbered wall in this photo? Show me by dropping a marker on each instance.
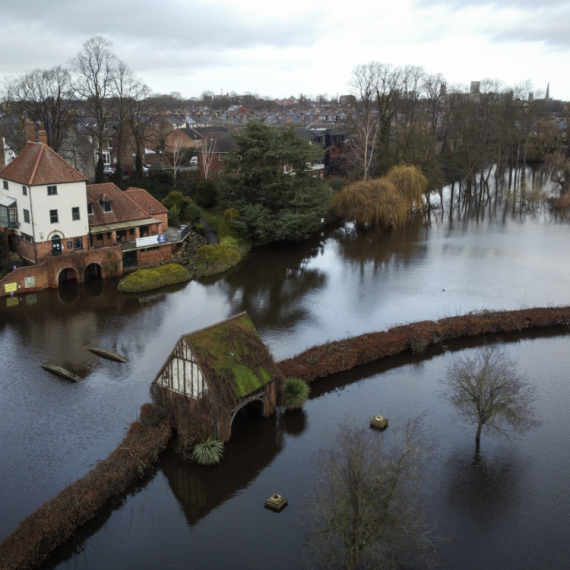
(182, 374)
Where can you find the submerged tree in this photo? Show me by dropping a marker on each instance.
(487, 390)
(364, 512)
(383, 202)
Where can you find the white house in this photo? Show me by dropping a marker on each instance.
(43, 204)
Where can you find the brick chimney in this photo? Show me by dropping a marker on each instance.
(42, 135)
(30, 131)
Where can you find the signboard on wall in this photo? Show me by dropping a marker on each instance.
(10, 287)
(29, 282)
(151, 240)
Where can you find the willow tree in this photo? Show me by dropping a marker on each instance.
(386, 202)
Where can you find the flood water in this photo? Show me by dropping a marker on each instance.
(510, 510)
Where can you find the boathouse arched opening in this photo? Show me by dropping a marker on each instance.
(253, 405)
(66, 275)
(93, 271)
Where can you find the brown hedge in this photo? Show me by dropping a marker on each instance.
(341, 355)
(57, 520)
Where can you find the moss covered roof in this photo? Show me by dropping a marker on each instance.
(233, 358)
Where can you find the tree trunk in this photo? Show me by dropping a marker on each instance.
(478, 438)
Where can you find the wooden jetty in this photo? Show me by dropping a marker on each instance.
(62, 372)
(109, 354)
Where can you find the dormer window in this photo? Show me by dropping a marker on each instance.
(90, 208)
(106, 206)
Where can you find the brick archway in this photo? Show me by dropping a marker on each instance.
(67, 274)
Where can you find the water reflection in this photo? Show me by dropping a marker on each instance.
(272, 283)
(483, 487)
(199, 490)
(294, 422)
(381, 247)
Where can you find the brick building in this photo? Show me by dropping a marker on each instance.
(65, 229)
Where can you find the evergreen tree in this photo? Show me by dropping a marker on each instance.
(272, 185)
(99, 171)
(117, 178)
(138, 165)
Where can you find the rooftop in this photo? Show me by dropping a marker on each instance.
(37, 164)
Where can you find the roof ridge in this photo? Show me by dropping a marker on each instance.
(32, 176)
(218, 324)
(129, 198)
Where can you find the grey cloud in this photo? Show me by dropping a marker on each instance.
(180, 25)
(520, 4)
(546, 23)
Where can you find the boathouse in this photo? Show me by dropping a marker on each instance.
(219, 370)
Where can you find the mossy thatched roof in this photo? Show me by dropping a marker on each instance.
(233, 358)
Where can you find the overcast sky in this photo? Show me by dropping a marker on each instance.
(280, 49)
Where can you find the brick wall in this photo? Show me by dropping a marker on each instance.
(153, 256)
(46, 274)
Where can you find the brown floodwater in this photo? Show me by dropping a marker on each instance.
(507, 510)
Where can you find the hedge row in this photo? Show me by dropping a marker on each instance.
(339, 356)
(53, 523)
(154, 278)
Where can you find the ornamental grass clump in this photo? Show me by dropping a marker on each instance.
(154, 278)
(208, 452)
(295, 393)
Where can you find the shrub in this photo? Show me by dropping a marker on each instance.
(208, 452)
(295, 393)
(154, 278)
(192, 213)
(226, 227)
(187, 210)
(336, 184)
(206, 194)
(215, 258)
(241, 245)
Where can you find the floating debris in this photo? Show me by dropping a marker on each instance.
(110, 355)
(379, 422)
(62, 372)
(276, 503)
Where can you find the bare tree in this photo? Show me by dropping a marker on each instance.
(44, 97)
(95, 68)
(364, 512)
(181, 156)
(207, 152)
(363, 118)
(487, 390)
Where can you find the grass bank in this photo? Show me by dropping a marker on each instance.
(154, 278)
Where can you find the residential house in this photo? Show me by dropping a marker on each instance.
(65, 229)
(43, 204)
(185, 138)
(133, 219)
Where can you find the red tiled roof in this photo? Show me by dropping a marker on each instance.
(123, 209)
(145, 201)
(38, 164)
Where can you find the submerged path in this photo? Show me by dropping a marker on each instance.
(39, 534)
(210, 233)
